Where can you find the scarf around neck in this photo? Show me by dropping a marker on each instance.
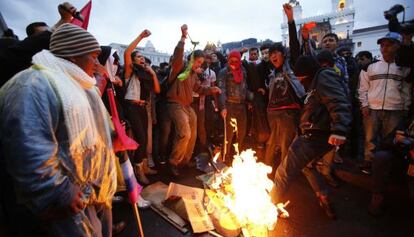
(237, 71)
(184, 75)
(73, 87)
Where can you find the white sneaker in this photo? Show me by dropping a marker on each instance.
(142, 203)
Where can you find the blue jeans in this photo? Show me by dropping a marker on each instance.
(185, 123)
(304, 149)
(379, 124)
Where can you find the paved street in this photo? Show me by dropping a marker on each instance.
(306, 217)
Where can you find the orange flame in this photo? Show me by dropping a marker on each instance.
(245, 189)
(251, 202)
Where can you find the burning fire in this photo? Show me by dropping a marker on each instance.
(244, 188)
(251, 202)
(239, 196)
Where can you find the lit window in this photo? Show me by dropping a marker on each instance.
(341, 5)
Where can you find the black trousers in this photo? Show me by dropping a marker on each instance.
(138, 119)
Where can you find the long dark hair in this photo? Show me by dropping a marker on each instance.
(138, 69)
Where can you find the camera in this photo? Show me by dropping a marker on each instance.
(391, 15)
(393, 11)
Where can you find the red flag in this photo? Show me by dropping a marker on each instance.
(85, 12)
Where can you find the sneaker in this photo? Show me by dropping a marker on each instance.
(376, 207)
(327, 206)
(366, 167)
(142, 203)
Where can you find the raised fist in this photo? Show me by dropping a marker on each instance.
(288, 11)
(184, 30)
(66, 10)
(145, 33)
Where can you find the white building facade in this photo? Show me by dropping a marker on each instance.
(341, 19)
(148, 51)
(366, 39)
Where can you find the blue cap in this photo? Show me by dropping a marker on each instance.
(393, 36)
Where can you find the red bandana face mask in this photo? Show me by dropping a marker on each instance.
(235, 66)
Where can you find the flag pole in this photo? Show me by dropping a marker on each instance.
(137, 217)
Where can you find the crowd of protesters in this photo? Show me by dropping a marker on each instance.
(307, 108)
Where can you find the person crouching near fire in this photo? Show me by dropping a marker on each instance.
(325, 120)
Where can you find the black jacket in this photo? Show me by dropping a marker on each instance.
(326, 108)
(19, 56)
(232, 92)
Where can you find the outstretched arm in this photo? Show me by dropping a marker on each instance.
(130, 49)
(293, 37)
(177, 63)
(66, 11)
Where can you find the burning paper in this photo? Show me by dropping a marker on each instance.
(190, 204)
